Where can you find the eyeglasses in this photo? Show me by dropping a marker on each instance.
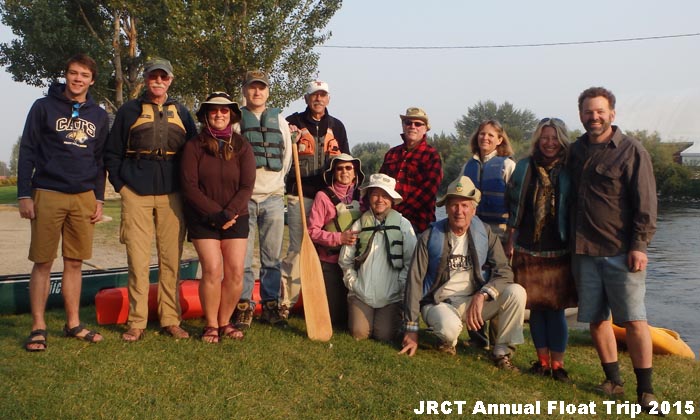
(223, 111)
(155, 76)
(408, 123)
(347, 168)
(76, 111)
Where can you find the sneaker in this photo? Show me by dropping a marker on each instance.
(284, 312)
(645, 401)
(447, 348)
(538, 369)
(271, 314)
(243, 315)
(504, 362)
(561, 375)
(610, 388)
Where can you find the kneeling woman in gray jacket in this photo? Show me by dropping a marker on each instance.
(375, 268)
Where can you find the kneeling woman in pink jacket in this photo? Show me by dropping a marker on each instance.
(335, 208)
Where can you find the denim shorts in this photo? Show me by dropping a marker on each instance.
(605, 285)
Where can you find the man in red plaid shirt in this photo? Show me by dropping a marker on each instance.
(417, 168)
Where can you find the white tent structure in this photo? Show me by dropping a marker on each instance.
(691, 155)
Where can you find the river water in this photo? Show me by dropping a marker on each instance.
(673, 278)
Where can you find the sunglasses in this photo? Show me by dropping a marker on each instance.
(155, 76)
(547, 120)
(76, 111)
(408, 123)
(346, 168)
(223, 111)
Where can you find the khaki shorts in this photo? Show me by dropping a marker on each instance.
(59, 214)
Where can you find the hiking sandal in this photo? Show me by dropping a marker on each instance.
(133, 334)
(90, 337)
(30, 340)
(176, 331)
(229, 331)
(210, 335)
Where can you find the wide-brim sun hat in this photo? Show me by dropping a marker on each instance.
(328, 174)
(219, 98)
(415, 113)
(386, 183)
(461, 187)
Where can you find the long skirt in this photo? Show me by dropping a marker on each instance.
(548, 280)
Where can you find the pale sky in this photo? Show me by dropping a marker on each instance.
(653, 80)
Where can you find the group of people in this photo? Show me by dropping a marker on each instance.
(566, 226)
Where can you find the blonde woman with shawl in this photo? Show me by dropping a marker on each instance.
(538, 200)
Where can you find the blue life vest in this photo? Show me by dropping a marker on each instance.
(265, 137)
(488, 178)
(437, 262)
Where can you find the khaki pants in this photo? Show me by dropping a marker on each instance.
(365, 321)
(142, 216)
(446, 319)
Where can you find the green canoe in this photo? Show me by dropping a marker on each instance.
(14, 288)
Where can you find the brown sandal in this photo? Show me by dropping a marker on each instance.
(229, 331)
(133, 334)
(210, 335)
(176, 331)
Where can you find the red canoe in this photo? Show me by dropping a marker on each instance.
(112, 305)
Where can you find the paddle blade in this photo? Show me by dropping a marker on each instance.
(316, 312)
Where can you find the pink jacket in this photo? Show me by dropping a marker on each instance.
(322, 212)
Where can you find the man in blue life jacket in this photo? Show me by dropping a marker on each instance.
(460, 275)
(268, 133)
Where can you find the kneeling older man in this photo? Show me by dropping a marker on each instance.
(459, 273)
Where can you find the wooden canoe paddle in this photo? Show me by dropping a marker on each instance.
(313, 289)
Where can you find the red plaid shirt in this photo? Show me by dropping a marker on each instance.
(418, 175)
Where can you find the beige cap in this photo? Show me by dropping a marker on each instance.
(461, 187)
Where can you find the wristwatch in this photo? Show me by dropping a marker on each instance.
(486, 295)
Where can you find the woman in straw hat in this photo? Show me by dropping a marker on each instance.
(218, 174)
(375, 269)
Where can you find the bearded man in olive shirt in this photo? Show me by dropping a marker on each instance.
(614, 221)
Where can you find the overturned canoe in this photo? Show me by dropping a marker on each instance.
(664, 341)
(14, 288)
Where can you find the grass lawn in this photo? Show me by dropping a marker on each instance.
(8, 194)
(280, 374)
